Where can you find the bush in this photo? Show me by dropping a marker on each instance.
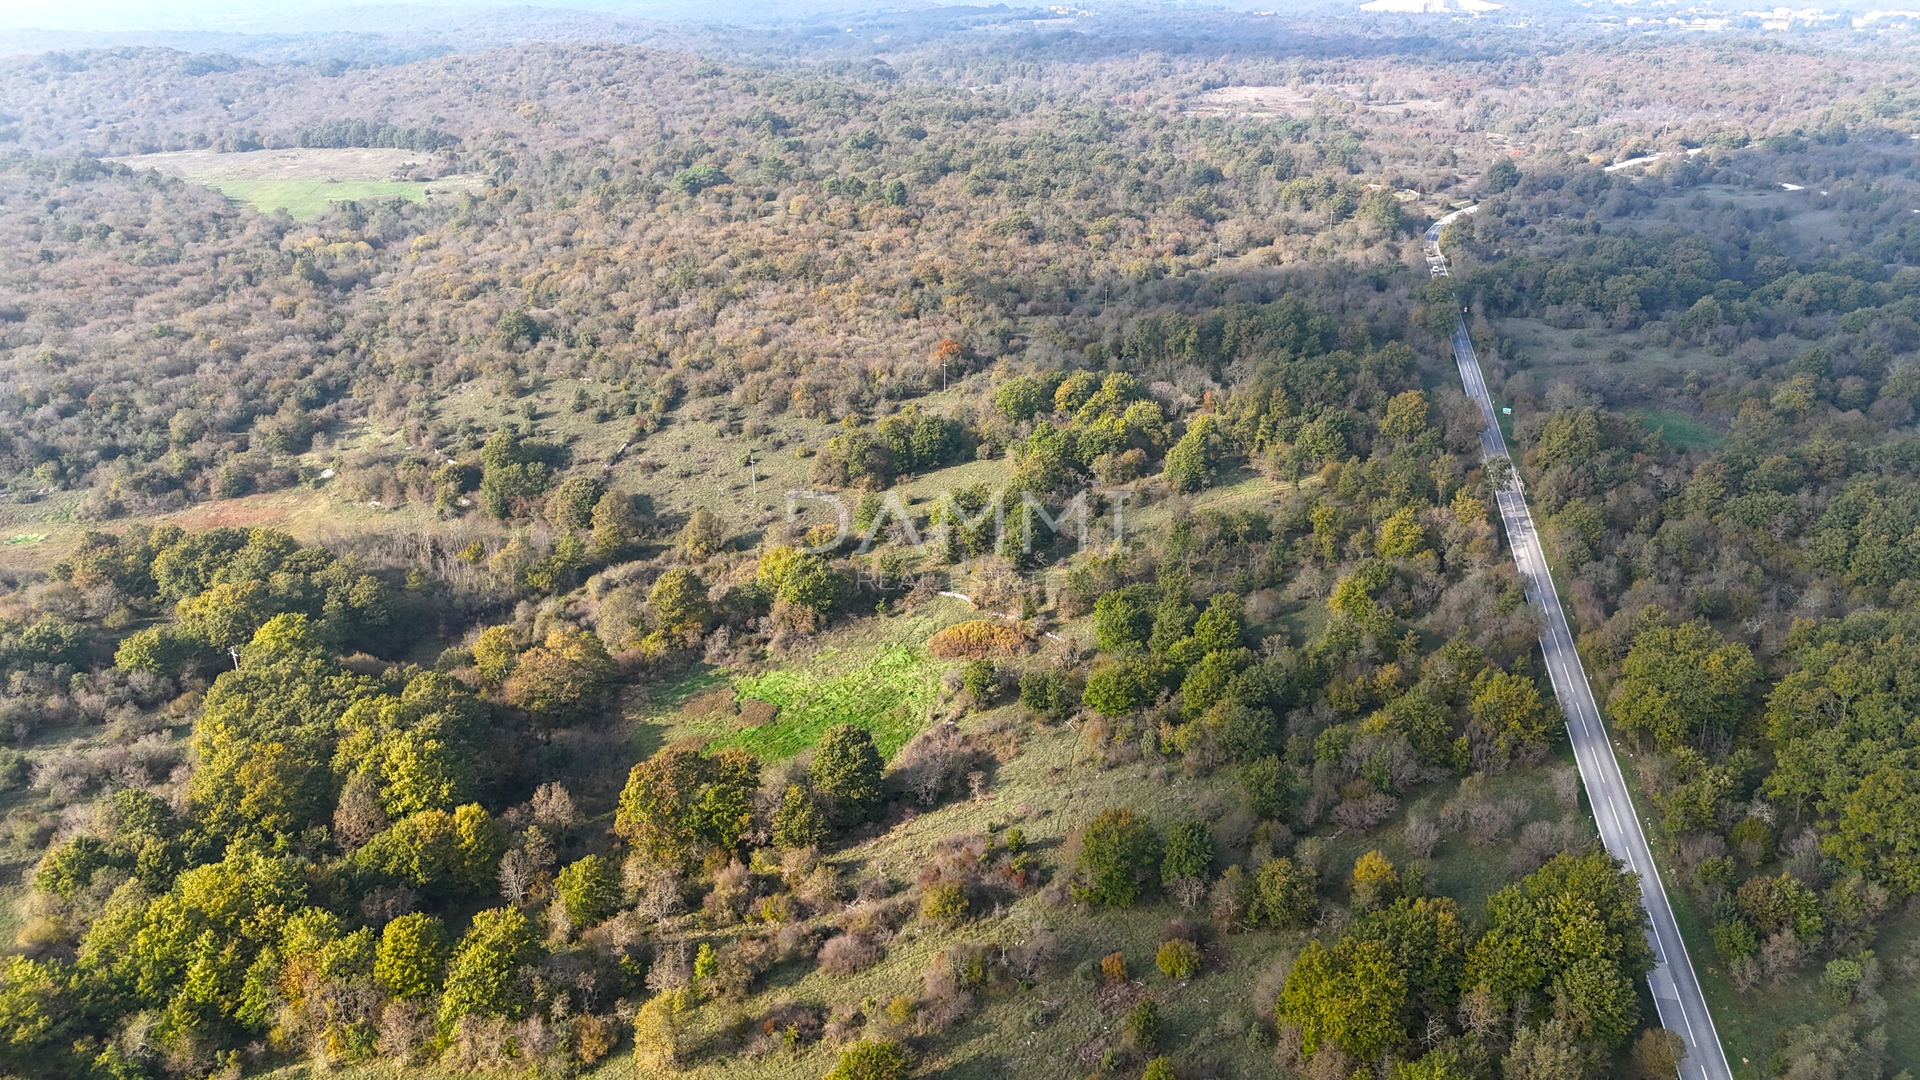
(934, 765)
(13, 769)
(1283, 896)
(1160, 1068)
(1118, 853)
(1658, 1054)
(976, 678)
(1118, 687)
(659, 1030)
(1178, 959)
(978, 639)
(798, 822)
(846, 769)
(1140, 1028)
(411, 956)
(1734, 938)
(1841, 979)
(1113, 967)
(871, 1060)
(590, 890)
(944, 903)
(1044, 692)
(1752, 840)
(845, 954)
(1268, 784)
(1375, 883)
(1189, 851)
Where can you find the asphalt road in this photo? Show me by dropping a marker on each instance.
(1676, 989)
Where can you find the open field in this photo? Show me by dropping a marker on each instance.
(308, 198)
(1678, 429)
(870, 672)
(306, 181)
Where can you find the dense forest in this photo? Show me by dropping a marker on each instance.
(413, 664)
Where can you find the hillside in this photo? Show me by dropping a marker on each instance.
(968, 559)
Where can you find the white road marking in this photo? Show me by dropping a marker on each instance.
(1599, 769)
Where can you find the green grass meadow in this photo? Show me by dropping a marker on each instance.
(1685, 432)
(873, 672)
(308, 198)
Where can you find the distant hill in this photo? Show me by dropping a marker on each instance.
(1430, 7)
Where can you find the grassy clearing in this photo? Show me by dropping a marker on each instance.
(888, 695)
(1812, 224)
(870, 672)
(1549, 353)
(308, 198)
(305, 181)
(1685, 432)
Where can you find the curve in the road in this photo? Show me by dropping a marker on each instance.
(1676, 989)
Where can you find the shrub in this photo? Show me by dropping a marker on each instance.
(796, 579)
(846, 769)
(845, 954)
(798, 822)
(1734, 938)
(563, 679)
(1283, 896)
(659, 1030)
(1268, 783)
(1140, 1028)
(1178, 959)
(871, 1060)
(1189, 851)
(978, 639)
(944, 903)
(1118, 851)
(590, 890)
(976, 678)
(934, 765)
(1658, 1054)
(411, 956)
(1375, 883)
(1228, 898)
(1841, 979)
(1752, 840)
(1113, 967)
(1422, 837)
(1118, 687)
(1044, 692)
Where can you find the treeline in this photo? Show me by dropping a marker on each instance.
(372, 133)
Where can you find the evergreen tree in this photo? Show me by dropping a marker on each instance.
(846, 772)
